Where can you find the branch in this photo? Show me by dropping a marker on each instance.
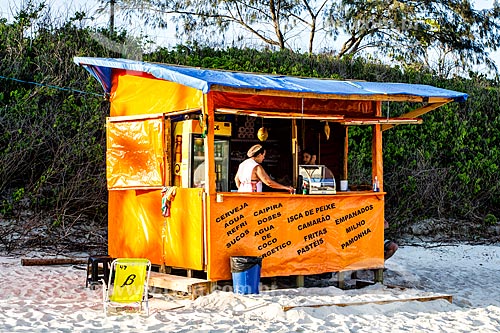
(249, 28)
(275, 20)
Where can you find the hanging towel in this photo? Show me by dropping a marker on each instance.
(167, 195)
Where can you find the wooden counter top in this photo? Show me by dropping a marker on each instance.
(287, 195)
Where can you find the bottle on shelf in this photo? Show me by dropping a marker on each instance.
(376, 187)
(198, 147)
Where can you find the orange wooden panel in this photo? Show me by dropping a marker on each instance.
(135, 224)
(295, 234)
(184, 230)
(136, 94)
(134, 153)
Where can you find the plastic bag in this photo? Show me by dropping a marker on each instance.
(244, 263)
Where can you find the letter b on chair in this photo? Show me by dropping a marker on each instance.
(130, 284)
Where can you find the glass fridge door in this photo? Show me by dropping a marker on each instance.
(221, 152)
(221, 157)
(198, 162)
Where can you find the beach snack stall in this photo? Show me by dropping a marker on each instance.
(175, 138)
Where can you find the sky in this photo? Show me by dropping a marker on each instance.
(65, 9)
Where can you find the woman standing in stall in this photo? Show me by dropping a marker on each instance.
(251, 175)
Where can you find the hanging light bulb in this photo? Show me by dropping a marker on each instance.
(327, 130)
(262, 132)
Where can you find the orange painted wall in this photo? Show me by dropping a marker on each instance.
(134, 224)
(136, 94)
(137, 229)
(296, 234)
(183, 241)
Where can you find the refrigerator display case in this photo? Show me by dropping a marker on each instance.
(189, 156)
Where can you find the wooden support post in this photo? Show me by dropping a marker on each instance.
(295, 153)
(378, 275)
(346, 154)
(300, 281)
(377, 158)
(209, 118)
(167, 141)
(341, 279)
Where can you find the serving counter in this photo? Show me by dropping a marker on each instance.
(303, 234)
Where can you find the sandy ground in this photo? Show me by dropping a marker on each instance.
(54, 299)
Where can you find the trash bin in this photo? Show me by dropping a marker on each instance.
(246, 274)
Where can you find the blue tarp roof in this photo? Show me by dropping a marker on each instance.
(204, 79)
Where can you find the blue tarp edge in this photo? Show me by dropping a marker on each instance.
(204, 79)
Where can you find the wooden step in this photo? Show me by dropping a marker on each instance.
(192, 286)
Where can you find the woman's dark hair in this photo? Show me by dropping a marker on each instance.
(308, 151)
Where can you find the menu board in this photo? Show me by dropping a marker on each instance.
(297, 235)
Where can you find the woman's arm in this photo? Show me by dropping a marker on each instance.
(264, 177)
(237, 180)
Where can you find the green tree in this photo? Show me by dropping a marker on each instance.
(450, 32)
(275, 22)
(52, 132)
(447, 35)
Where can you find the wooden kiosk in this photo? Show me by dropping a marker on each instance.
(166, 120)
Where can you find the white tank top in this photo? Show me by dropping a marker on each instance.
(245, 171)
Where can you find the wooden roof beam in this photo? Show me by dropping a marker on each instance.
(379, 121)
(417, 112)
(279, 114)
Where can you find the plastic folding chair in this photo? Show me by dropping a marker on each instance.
(130, 277)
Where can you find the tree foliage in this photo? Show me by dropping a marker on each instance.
(274, 23)
(447, 30)
(52, 152)
(447, 35)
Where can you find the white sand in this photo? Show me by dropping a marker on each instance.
(54, 299)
